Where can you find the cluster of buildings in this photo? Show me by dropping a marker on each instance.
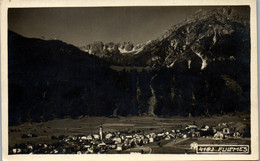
(117, 142)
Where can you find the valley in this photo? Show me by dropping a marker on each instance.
(83, 126)
(199, 68)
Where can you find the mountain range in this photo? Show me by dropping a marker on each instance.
(200, 67)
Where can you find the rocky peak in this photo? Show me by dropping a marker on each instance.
(209, 35)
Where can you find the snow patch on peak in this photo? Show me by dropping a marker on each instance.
(135, 50)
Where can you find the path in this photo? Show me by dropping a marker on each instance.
(174, 142)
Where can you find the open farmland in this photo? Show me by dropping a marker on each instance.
(90, 125)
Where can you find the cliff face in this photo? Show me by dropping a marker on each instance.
(210, 35)
(201, 66)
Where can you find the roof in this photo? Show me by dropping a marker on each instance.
(191, 126)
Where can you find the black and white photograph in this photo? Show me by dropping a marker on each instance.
(152, 80)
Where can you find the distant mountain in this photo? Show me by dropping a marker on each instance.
(201, 66)
(116, 54)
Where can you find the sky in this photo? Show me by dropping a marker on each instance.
(81, 26)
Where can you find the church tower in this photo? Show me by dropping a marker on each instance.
(101, 132)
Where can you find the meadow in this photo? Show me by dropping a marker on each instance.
(90, 125)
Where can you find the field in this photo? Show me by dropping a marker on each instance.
(87, 125)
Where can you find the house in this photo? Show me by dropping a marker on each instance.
(74, 138)
(63, 150)
(133, 143)
(86, 146)
(145, 141)
(94, 142)
(89, 137)
(226, 131)
(17, 150)
(126, 141)
(195, 134)
(122, 137)
(160, 135)
(153, 135)
(236, 134)
(191, 127)
(91, 150)
(117, 140)
(110, 143)
(173, 135)
(79, 152)
(167, 137)
(205, 128)
(83, 138)
(108, 136)
(194, 145)
(129, 136)
(101, 144)
(66, 139)
(136, 136)
(151, 140)
(138, 140)
(119, 147)
(141, 136)
(55, 151)
(218, 136)
(180, 135)
(126, 145)
(96, 136)
(30, 147)
(113, 146)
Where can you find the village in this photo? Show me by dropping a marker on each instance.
(121, 142)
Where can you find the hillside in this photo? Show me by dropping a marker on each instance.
(52, 79)
(49, 79)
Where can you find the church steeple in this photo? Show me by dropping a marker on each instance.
(101, 132)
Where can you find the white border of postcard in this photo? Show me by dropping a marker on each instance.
(5, 4)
